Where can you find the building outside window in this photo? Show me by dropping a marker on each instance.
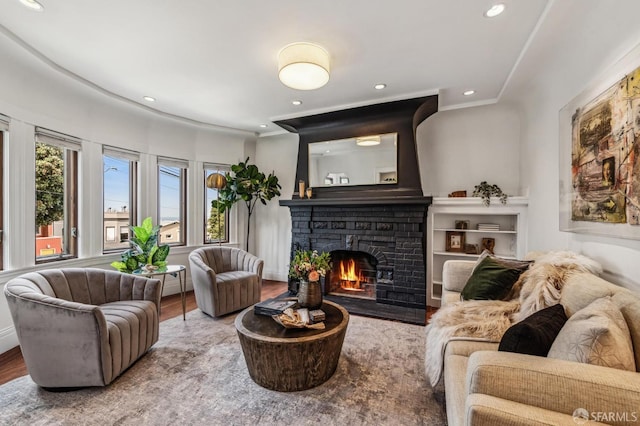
(216, 224)
(56, 195)
(120, 188)
(172, 200)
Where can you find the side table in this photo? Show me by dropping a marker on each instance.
(175, 271)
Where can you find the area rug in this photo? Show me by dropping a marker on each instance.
(196, 374)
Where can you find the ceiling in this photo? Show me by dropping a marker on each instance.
(215, 62)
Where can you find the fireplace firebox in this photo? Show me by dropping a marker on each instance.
(354, 274)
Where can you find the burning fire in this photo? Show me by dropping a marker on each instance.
(349, 278)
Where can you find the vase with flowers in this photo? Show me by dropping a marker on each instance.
(308, 267)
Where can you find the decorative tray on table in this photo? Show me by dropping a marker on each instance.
(298, 318)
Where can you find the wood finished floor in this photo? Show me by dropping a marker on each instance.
(12, 364)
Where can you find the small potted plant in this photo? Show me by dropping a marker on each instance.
(308, 267)
(145, 254)
(486, 191)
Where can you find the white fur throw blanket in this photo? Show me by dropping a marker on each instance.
(487, 320)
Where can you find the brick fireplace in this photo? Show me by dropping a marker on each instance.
(385, 238)
(380, 228)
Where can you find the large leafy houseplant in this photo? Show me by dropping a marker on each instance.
(145, 252)
(247, 184)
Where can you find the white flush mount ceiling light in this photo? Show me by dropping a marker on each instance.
(379, 86)
(296, 102)
(264, 126)
(32, 4)
(368, 141)
(495, 10)
(149, 98)
(468, 92)
(303, 66)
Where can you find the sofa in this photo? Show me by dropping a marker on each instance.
(484, 386)
(225, 279)
(82, 327)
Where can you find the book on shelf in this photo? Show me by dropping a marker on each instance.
(488, 227)
(274, 306)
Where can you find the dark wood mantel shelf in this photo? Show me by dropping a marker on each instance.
(368, 201)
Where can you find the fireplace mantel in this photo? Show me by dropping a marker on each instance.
(400, 117)
(364, 201)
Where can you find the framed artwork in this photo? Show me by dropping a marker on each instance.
(600, 155)
(455, 241)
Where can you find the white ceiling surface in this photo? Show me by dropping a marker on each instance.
(215, 62)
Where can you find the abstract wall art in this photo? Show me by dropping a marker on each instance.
(600, 159)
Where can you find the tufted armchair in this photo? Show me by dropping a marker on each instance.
(81, 326)
(225, 279)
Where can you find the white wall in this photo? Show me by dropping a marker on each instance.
(273, 222)
(34, 94)
(458, 149)
(579, 44)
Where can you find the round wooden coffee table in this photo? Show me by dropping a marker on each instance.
(288, 360)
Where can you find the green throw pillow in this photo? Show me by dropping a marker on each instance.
(490, 280)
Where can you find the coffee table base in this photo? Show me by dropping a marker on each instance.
(293, 363)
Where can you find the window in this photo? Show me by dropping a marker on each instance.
(4, 126)
(120, 188)
(172, 200)
(215, 224)
(111, 233)
(56, 195)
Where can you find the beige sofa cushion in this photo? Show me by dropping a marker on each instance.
(597, 334)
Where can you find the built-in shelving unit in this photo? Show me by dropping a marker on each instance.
(509, 237)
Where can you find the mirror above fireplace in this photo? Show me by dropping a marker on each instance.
(366, 160)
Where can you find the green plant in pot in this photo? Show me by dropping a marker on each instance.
(145, 252)
(486, 191)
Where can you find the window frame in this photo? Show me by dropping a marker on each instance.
(134, 161)
(2, 166)
(209, 168)
(183, 166)
(71, 148)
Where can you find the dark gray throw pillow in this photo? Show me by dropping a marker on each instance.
(535, 334)
(490, 280)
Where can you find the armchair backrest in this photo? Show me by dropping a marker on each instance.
(226, 259)
(91, 286)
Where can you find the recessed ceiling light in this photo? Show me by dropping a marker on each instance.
(264, 126)
(32, 4)
(379, 86)
(494, 10)
(149, 98)
(296, 102)
(469, 92)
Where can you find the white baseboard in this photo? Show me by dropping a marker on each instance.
(275, 275)
(8, 339)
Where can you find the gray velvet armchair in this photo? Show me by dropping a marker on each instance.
(225, 279)
(82, 327)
